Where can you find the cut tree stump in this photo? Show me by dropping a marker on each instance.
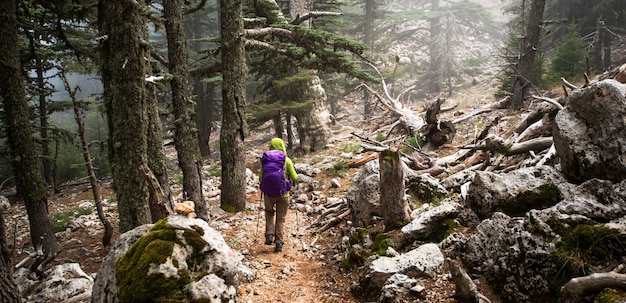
(395, 208)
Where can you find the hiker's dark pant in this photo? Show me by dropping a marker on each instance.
(275, 207)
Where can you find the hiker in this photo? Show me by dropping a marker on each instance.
(276, 176)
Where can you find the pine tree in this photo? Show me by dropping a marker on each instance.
(569, 58)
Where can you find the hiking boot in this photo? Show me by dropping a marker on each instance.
(279, 247)
(269, 239)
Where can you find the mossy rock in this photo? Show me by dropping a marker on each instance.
(541, 197)
(610, 295)
(147, 272)
(585, 248)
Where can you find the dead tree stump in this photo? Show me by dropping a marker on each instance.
(395, 208)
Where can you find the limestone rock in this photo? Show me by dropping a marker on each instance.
(590, 132)
(177, 258)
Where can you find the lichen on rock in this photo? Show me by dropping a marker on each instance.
(170, 263)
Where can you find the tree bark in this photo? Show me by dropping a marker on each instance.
(197, 26)
(157, 162)
(9, 292)
(529, 45)
(395, 208)
(186, 132)
(8, 289)
(46, 157)
(124, 97)
(28, 180)
(435, 51)
(233, 131)
(368, 26)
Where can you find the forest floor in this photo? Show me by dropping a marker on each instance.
(307, 270)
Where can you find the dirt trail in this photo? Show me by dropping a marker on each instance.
(300, 273)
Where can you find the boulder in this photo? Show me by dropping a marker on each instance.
(62, 282)
(520, 256)
(424, 261)
(590, 132)
(364, 194)
(426, 222)
(515, 192)
(178, 258)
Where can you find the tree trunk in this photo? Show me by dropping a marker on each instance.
(46, 157)
(314, 120)
(28, 180)
(278, 125)
(8, 289)
(299, 8)
(395, 208)
(368, 31)
(186, 132)
(290, 136)
(435, 51)
(233, 131)
(197, 26)
(529, 45)
(124, 97)
(157, 162)
(204, 115)
(95, 186)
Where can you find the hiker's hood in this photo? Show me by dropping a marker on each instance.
(277, 143)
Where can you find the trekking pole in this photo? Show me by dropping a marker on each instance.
(258, 219)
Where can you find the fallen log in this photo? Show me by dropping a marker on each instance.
(499, 145)
(333, 222)
(577, 288)
(360, 162)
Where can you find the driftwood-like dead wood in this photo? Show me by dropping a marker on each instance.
(540, 128)
(333, 222)
(501, 146)
(471, 115)
(433, 171)
(465, 289)
(360, 162)
(574, 290)
(537, 144)
(407, 117)
(159, 202)
(395, 209)
(437, 132)
(337, 208)
(554, 102)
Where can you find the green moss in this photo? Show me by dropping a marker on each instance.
(381, 242)
(194, 239)
(542, 197)
(583, 249)
(154, 248)
(229, 208)
(133, 280)
(60, 219)
(446, 227)
(356, 258)
(424, 194)
(610, 296)
(339, 169)
(358, 236)
(161, 224)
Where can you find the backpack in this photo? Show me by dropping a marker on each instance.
(274, 182)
